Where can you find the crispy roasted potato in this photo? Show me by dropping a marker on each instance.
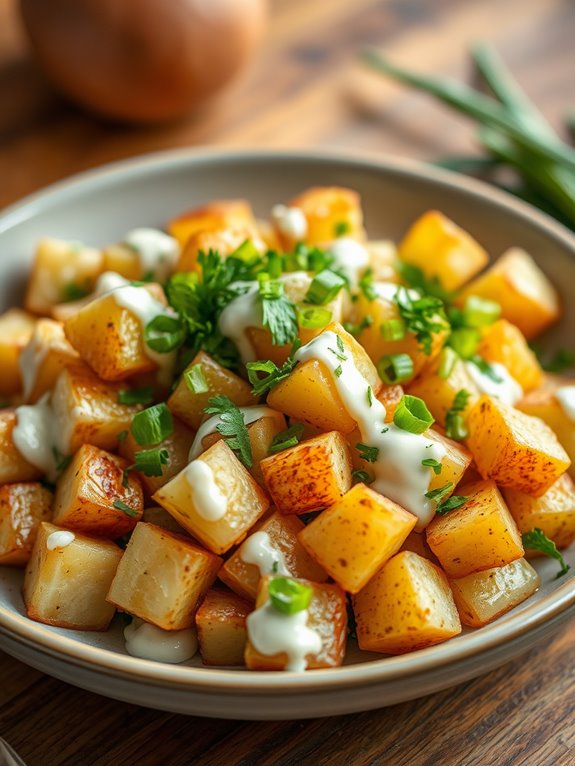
(218, 214)
(44, 357)
(221, 626)
(23, 507)
(224, 240)
(16, 328)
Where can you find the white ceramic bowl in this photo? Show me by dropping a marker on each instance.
(99, 207)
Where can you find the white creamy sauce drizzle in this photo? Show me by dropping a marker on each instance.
(34, 354)
(207, 498)
(291, 221)
(507, 389)
(399, 473)
(59, 539)
(272, 632)
(156, 251)
(388, 291)
(566, 398)
(251, 414)
(34, 435)
(350, 257)
(259, 550)
(152, 643)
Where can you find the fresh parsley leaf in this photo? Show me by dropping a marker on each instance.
(423, 316)
(366, 285)
(232, 427)
(278, 312)
(341, 228)
(338, 371)
(272, 374)
(413, 276)
(367, 453)
(286, 439)
(357, 328)
(445, 505)
(438, 494)
(150, 461)
(537, 540)
(455, 425)
(430, 462)
(361, 477)
(74, 292)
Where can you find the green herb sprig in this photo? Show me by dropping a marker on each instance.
(232, 427)
(537, 540)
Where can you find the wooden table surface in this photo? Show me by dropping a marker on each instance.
(305, 89)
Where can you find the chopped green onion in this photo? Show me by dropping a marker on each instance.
(338, 371)
(430, 462)
(314, 318)
(393, 329)
(286, 439)
(369, 396)
(150, 461)
(153, 425)
(447, 361)
(196, 380)
(412, 415)
(324, 287)
(272, 374)
(438, 494)
(479, 312)
(367, 453)
(164, 334)
(366, 285)
(289, 596)
(455, 425)
(361, 477)
(464, 341)
(537, 540)
(73, 292)
(341, 228)
(453, 502)
(395, 368)
(246, 252)
(121, 506)
(356, 329)
(136, 396)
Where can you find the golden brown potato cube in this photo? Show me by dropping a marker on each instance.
(354, 538)
(16, 328)
(145, 254)
(218, 214)
(225, 240)
(514, 449)
(221, 626)
(417, 543)
(478, 535)
(214, 498)
(22, 507)
(328, 210)
(483, 596)
(189, 406)
(442, 249)
(67, 579)
(274, 541)
(87, 409)
(314, 474)
(408, 605)
(454, 464)
(439, 393)
(309, 393)
(13, 466)
(43, 359)
(177, 444)
(504, 343)
(62, 271)
(110, 338)
(326, 615)
(93, 494)
(553, 512)
(162, 577)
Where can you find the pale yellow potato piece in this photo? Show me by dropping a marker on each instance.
(162, 577)
(408, 605)
(44, 357)
(314, 474)
(246, 501)
(225, 240)
(504, 343)
(221, 626)
(13, 466)
(478, 535)
(217, 214)
(439, 393)
(354, 538)
(67, 586)
(16, 328)
(454, 464)
(23, 507)
(483, 596)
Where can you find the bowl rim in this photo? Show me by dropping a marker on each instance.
(376, 671)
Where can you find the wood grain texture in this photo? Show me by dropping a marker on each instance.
(304, 89)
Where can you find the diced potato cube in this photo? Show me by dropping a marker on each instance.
(417, 543)
(514, 449)
(221, 626)
(553, 512)
(158, 516)
(280, 535)
(43, 359)
(408, 605)
(218, 214)
(353, 538)
(383, 260)
(16, 328)
(327, 210)
(504, 343)
(177, 444)
(245, 502)
(478, 535)
(224, 240)
(189, 406)
(526, 296)
(110, 338)
(22, 507)
(313, 474)
(61, 271)
(162, 577)
(67, 580)
(93, 495)
(454, 464)
(390, 397)
(310, 394)
(327, 615)
(441, 249)
(483, 596)
(439, 393)
(13, 466)
(87, 409)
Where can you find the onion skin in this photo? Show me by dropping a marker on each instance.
(142, 60)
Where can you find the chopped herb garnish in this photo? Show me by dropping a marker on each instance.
(289, 596)
(357, 328)
(449, 504)
(369, 396)
(195, 379)
(464, 341)
(121, 506)
(447, 361)
(272, 374)
(423, 316)
(338, 371)
(438, 494)
(62, 461)
(361, 477)
(122, 436)
(455, 426)
(232, 427)
(246, 252)
(430, 462)
(392, 329)
(314, 317)
(480, 312)
(341, 228)
(74, 292)
(153, 425)
(411, 414)
(366, 285)
(150, 461)
(136, 396)
(413, 276)
(562, 360)
(164, 334)
(537, 540)
(395, 368)
(340, 352)
(485, 368)
(286, 439)
(453, 502)
(367, 453)
(278, 312)
(324, 287)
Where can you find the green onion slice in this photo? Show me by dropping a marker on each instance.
(289, 596)
(196, 380)
(125, 508)
(164, 334)
(153, 425)
(447, 361)
(393, 329)
(395, 368)
(314, 318)
(150, 461)
(324, 287)
(412, 415)
(136, 395)
(479, 312)
(465, 340)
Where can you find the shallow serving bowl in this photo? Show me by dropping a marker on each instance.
(98, 208)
